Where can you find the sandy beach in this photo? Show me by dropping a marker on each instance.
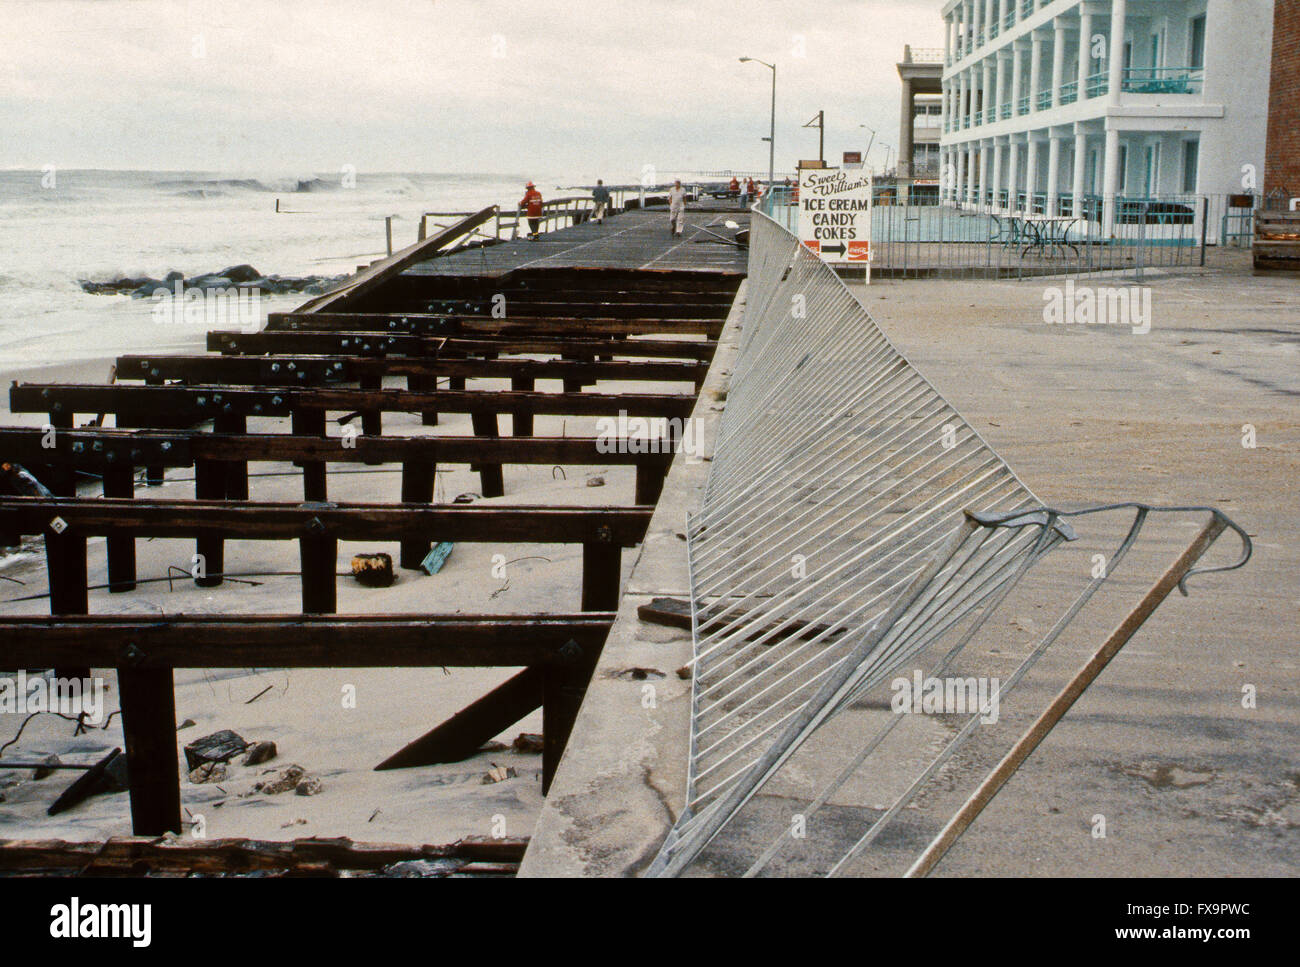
(303, 711)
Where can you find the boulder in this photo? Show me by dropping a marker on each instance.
(260, 752)
(241, 273)
(282, 781)
(217, 747)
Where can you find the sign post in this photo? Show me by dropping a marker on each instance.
(835, 215)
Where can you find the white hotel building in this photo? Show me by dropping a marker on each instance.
(1061, 106)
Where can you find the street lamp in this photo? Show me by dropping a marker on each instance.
(771, 140)
(871, 142)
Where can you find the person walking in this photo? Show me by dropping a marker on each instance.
(677, 209)
(600, 195)
(733, 189)
(531, 205)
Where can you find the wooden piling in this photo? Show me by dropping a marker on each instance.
(148, 700)
(120, 549)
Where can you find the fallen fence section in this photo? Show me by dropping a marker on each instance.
(851, 520)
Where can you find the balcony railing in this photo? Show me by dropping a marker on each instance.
(1009, 20)
(1006, 110)
(1026, 8)
(1069, 92)
(1022, 106)
(993, 30)
(965, 121)
(1163, 80)
(1098, 84)
(979, 37)
(1044, 100)
(979, 117)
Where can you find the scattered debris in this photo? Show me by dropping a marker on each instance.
(208, 772)
(465, 498)
(637, 674)
(498, 774)
(217, 747)
(528, 742)
(187, 724)
(259, 695)
(285, 779)
(436, 558)
(260, 752)
(684, 673)
(310, 786)
(293, 822)
(106, 775)
(49, 760)
(373, 570)
(595, 481)
(493, 747)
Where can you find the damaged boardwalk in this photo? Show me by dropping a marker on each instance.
(421, 332)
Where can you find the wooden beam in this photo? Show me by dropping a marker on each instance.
(102, 450)
(439, 325)
(392, 266)
(307, 370)
(306, 641)
(199, 403)
(613, 526)
(402, 344)
(462, 735)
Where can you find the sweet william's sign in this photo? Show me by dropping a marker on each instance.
(835, 214)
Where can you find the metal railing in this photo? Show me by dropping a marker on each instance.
(1163, 80)
(1098, 84)
(1069, 92)
(853, 524)
(837, 458)
(922, 232)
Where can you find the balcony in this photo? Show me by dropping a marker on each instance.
(1009, 20)
(993, 30)
(1069, 92)
(1026, 8)
(979, 118)
(1163, 80)
(979, 37)
(1044, 100)
(1098, 84)
(1006, 111)
(1022, 106)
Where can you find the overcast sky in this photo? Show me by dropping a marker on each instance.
(579, 87)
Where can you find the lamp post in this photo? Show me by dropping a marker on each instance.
(771, 140)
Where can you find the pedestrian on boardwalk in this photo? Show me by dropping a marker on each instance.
(751, 192)
(733, 189)
(677, 209)
(600, 195)
(531, 205)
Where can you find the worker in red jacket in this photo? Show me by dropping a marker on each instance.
(531, 205)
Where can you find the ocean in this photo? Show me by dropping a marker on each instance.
(59, 227)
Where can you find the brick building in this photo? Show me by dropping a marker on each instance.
(1282, 157)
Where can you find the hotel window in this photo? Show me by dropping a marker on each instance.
(1197, 60)
(1191, 157)
(1123, 167)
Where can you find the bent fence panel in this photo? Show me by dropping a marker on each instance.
(852, 519)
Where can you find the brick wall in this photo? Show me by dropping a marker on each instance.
(1282, 156)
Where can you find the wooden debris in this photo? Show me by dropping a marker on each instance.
(373, 570)
(218, 747)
